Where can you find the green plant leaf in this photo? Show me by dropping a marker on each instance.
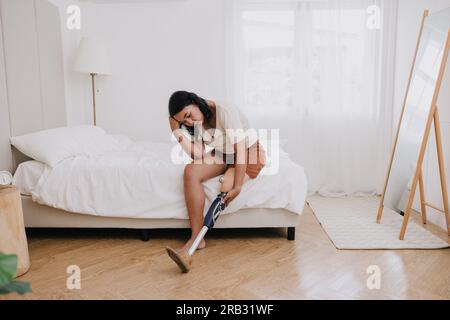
(8, 268)
(16, 286)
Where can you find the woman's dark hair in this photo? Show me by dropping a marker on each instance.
(180, 99)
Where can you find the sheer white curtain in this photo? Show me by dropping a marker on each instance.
(322, 72)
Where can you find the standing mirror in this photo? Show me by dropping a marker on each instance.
(418, 113)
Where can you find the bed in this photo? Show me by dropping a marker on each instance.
(139, 186)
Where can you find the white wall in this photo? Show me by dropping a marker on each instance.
(409, 17)
(155, 48)
(75, 85)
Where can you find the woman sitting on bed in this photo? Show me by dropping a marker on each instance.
(234, 144)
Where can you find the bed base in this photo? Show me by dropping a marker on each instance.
(41, 216)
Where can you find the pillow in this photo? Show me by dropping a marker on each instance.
(54, 145)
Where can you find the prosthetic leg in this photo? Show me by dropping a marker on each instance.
(184, 259)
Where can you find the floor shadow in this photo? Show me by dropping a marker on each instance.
(161, 234)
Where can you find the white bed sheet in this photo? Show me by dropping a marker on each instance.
(27, 176)
(142, 182)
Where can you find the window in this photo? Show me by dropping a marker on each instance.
(306, 59)
(269, 59)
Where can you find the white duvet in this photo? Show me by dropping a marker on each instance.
(141, 181)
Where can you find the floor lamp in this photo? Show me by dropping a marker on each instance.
(92, 59)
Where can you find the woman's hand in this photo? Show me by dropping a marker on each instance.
(173, 124)
(233, 193)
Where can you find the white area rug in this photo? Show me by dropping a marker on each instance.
(350, 222)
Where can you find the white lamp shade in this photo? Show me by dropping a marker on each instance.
(92, 58)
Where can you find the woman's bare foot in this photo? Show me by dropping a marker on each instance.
(188, 245)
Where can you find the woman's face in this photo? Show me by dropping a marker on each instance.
(189, 115)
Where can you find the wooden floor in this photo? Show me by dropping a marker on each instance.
(237, 264)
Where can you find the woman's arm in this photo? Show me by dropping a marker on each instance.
(240, 165)
(194, 150)
(239, 171)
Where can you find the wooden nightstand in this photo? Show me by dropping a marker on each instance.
(13, 239)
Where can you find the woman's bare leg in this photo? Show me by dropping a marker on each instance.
(194, 174)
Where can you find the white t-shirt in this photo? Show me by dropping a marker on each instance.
(232, 126)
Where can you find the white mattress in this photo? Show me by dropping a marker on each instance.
(141, 181)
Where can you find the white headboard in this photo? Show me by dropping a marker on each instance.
(32, 92)
(5, 131)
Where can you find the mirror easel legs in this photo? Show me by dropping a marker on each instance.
(419, 179)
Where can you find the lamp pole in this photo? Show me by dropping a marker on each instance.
(93, 97)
